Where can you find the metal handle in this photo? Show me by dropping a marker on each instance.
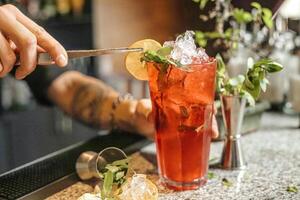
(45, 58)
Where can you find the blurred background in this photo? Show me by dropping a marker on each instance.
(29, 131)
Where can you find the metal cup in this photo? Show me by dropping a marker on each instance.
(233, 112)
(89, 163)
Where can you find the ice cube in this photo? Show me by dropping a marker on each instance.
(176, 53)
(202, 54)
(186, 59)
(139, 188)
(169, 44)
(201, 57)
(185, 50)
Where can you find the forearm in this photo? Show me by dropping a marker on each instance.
(91, 101)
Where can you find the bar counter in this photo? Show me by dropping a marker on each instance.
(273, 167)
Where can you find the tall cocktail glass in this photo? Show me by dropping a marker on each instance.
(182, 101)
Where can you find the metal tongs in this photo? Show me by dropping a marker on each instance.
(45, 58)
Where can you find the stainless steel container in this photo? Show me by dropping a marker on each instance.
(89, 163)
(233, 112)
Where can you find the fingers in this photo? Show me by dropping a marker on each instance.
(44, 39)
(28, 57)
(24, 40)
(144, 107)
(143, 122)
(7, 56)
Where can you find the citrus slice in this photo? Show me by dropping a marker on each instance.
(133, 60)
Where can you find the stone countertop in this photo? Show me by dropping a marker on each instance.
(272, 154)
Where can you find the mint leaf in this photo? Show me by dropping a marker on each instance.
(213, 35)
(200, 38)
(112, 168)
(203, 4)
(292, 188)
(210, 175)
(113, 175)
(107, 184)
(256, 5)
(263, 84)
(165, 51)
(249, 98)
(120, 175)
(221, 69)
(241, 16)
(123, 162)
(267, 17)
(226, 182)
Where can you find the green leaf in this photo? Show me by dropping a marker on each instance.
(228, 33)
(269, 65)
(123, 162)
(203, 3)
(226, 182)
(120, 175)
(210, 175)
(292, 188)
(152, 56)
(263, 84)
(200, 38)
(242, 16)
(267, 12)
(112, 168)
(221, 67)
(267, 17)
(213, 35)
(107, 184)
(249, 98)
(273, 67)
(256, 5)
(234, 45)
(165, 51)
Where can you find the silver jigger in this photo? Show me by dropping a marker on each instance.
(233, 108)
(89, 163)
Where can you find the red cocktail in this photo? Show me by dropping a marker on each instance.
(182, 101)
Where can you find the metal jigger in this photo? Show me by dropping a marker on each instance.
(233, 112)
(89, 163)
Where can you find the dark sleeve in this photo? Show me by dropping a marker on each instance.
(40, 80)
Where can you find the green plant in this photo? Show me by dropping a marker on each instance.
(113, 175)
(230, 22)
(236, 20)
(250, 85)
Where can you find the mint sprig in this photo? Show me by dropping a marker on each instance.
(160, 56)
(250, 85)
(113, 175)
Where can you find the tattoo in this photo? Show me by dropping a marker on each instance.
(87, 103)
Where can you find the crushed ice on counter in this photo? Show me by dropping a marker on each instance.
(88, 196)
(185, 50)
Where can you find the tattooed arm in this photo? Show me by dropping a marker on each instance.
(92, 102)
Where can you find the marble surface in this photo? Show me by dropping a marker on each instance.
(273, 157)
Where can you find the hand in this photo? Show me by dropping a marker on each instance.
(19, 34)
(145, 126)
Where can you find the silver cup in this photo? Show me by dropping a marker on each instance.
(233, 108)
(89, 163)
